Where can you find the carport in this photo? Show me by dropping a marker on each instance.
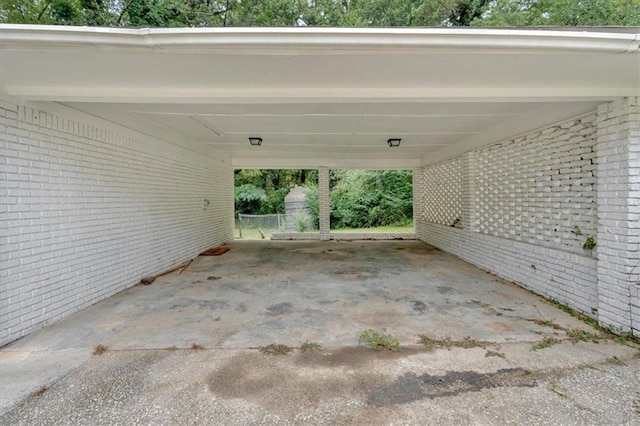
(119, 147)
(118, 151)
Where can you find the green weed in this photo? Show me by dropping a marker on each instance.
(379, 340)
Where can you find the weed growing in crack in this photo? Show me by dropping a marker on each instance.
(274, 349)
(196, 347)
(576, 336)
(99, 349)
(309, 346)
(447, 343)
(379, 340)
(494, 353)
(547, 342)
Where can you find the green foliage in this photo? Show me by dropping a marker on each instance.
(359, 198)
(561, 13)
(248, 198)
(276, 184)
(547, 342)
(303, 221)
(313, 205)
(370, 198)
(379, 340)
(335, 13)
(589, 243)
(309, 346)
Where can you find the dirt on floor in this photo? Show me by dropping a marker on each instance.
(283, 333)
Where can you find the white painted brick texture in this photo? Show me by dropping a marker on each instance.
(519, 200)
(86, 212)
(619, 213)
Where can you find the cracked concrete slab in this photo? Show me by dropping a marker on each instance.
(476, 365)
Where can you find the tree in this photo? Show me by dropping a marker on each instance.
(368, 198)
(248, 198)
(339, 13)
(561, 13)
(276, 184)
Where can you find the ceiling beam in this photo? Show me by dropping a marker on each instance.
(323, 95)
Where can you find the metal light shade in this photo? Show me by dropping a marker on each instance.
(255, 141)
(394, 142)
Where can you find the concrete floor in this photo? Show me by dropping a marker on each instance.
(262, 293)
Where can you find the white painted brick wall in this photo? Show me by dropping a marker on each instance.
(619, 213)
(567, 277)
(324, 201)
(539, 187)
(519, 200)
(441, 192)
(87, 211)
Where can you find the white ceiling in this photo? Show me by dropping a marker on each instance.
(316, 97)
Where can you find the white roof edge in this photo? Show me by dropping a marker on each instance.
(266, 40)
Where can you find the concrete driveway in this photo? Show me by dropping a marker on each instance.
(193, 348)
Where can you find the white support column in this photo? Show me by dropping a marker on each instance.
(470, 198)
(618, 235)
(416, 183)
(325, 211)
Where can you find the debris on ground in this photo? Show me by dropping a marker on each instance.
(147, 280)
(215, 251)
(275, 349)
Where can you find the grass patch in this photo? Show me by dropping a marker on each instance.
(309, 346)
(546, 323)
(274, 349)
(376, 230)
(99, 349)
(547, 342)
(447, 343)
(622, 338)
(253, 234)
(379, 340)
(196, 347)
(576, 336)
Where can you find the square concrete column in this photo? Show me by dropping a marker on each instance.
(325, 210)
(470, 198)
(618, 235)
(417, 201)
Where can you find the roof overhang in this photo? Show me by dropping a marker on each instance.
(321, 96)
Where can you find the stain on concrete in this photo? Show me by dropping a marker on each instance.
(419, 307)
(350, 357)
(410, 387)
(280, 309)
(241, 307)
(445, 290)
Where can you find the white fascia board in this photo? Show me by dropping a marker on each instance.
(313, 40)
(258, 162)
(303, 95)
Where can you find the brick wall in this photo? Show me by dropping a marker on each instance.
(519, 201)
(522, 199)
(619, 213)
(539, 187)
(441, 189)
(88, 210)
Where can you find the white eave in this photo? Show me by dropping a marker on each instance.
(279, 40)
(322, 96)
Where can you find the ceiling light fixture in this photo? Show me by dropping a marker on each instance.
(255, 141)
(394, 142)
